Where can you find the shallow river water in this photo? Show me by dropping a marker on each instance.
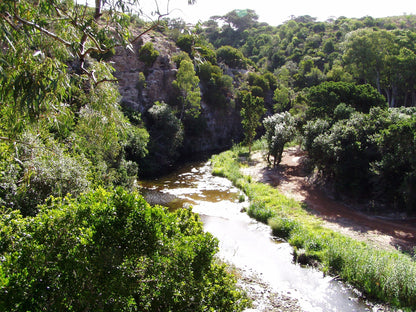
(248, 244)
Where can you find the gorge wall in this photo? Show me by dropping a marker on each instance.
(221, 125)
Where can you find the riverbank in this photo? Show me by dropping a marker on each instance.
(263, 266)
(291, 179)
(261, 294)
(389, 276)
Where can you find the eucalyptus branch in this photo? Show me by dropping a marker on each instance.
(8, 139)
(97, 47)
(84, 13)
(43, 30)
(30, 144)
(82, 52)
(57, 10)
(6, 17)
(153, 26)
(88, 73)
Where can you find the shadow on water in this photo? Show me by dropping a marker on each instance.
(248, 244)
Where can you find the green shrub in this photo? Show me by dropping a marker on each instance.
(111, 251)
(179, 57)
(325, 97)
(231, 57)
(148, 54)
(260, 211)
(282, 227)
(186, 43)
(141, 83)
(40, 168)
(166, 137)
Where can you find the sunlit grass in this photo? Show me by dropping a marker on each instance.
(389, 276)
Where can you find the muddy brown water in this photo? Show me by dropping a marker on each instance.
(248, 244)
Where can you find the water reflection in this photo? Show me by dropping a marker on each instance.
(248, 244)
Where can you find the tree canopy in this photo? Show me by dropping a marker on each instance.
(114, 252)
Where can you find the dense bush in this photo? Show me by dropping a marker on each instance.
(105, 136)
(324, 98)
(186, 43)
(259, 81)
(396, 165)
(179, 57)
(197, 47)
(343, 154)
(252, 111)
(231, 57)
(187, 85)
(111, 251)
(40, 168)
(279, 130)
(166, 139)
(148, 54)
(367, 154)
(218, 87)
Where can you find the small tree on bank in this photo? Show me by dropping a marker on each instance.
(251, 112)
(280, 129)
(187, 82)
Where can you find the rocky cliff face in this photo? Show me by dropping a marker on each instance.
(159, 77)
(222, 126)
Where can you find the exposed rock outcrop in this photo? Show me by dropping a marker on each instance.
(159, 77)
(220, 127)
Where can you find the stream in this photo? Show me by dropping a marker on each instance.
(248, 245)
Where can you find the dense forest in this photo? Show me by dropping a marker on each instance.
(344, 88)
(72, 149)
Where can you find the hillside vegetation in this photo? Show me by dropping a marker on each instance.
(349, 84)
(346, 87)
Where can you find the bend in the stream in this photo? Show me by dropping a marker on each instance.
(248, 244)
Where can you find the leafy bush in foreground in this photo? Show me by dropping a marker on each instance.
(111, 251)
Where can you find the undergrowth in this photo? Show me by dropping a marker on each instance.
(389, 276)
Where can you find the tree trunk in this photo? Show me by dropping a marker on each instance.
(97, 9)
(413, 98)
(405, 98)
(387, 92)
(393, 95)
(378, 82)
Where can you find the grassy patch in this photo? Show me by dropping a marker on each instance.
(282, 227)
(389, 276)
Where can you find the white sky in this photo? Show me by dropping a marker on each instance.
(277, 11)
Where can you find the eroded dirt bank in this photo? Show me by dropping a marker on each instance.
(290, 178)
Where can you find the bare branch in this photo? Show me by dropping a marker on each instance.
(7, 139)
(6, 17)
(97, 47)
(88, 73)
(105, 80)
(153, 26)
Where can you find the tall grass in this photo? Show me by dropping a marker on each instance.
(389, 276)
